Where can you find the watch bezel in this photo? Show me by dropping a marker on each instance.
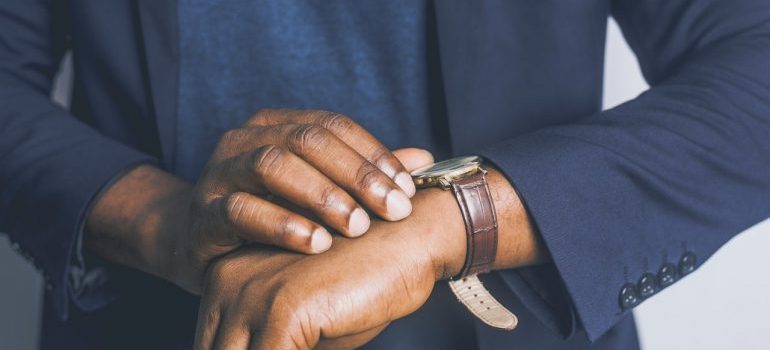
(445, 172)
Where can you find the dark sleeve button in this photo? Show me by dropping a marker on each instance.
(629, 296)
(648, 285)
(667, 275)
(687, 263)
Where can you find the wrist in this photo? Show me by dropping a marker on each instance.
(135, 221)
(439, 213)
(518, 243)
(163, 227)
(443, 233)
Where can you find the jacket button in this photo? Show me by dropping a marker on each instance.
(667, 275)
(629, 296)
(648, 285)
(687, 263)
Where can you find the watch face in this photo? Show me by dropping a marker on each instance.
(449, 167)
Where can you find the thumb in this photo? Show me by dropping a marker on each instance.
(413, 158)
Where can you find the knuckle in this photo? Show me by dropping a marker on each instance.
(287, 231)
(284, 312)
(292, 317)
(306, 137)
(264, 112)
(283, 301)
(282, 336)
(224, 270)
(201, 202)
(260, 116)
(231, 136)
(380, 154)
(335, 121)
(292, 232)
(368, 176)
(211, 318)
(281, 305)
(237, 208)
(328, 198)
(266, 160)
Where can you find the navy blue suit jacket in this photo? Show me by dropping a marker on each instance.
(615, 194)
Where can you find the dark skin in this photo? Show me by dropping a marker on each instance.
(282, 179)
(270, 299)
(327, 168)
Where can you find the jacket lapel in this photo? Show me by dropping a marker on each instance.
(158, 21)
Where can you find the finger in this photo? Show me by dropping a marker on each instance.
(274, 337)
(288, 176)
(232, 334)
(258, 220)
(343, 165)
(413, 158)
(353, 341)
(208, 322)
(349, 132)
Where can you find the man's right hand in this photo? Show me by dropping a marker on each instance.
(279, 180)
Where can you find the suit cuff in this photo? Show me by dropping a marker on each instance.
(88, 275)
(555, 176)
(52, 217)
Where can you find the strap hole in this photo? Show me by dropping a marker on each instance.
(482, 301)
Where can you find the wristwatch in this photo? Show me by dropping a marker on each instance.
(466, 177)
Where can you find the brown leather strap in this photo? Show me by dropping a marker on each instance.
(478, 210)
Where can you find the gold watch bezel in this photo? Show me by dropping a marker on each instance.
(443, 173)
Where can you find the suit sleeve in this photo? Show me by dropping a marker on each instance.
(666, 178)
(51, 164)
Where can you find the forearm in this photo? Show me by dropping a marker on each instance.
(130, 221)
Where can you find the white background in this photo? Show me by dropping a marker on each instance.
(725, 304)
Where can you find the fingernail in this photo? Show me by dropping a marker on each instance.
(398, 205)
(321, 240)
(358, 222)
(404, 181)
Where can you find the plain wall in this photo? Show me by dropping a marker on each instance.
(722, 305)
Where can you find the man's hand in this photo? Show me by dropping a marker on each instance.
(257, 299)
(278, 180)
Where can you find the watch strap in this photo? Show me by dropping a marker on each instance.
(477, 299)
(478, 211)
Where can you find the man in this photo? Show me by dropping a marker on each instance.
(299, 226)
